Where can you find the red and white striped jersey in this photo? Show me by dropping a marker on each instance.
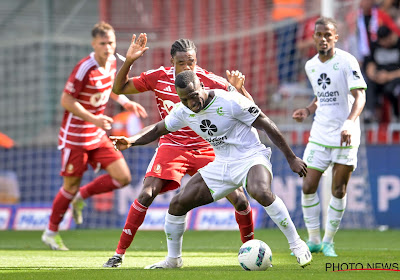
(162, 82)
(91, 85)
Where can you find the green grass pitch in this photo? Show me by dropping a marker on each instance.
(206, 255)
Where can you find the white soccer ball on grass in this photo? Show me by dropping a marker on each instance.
(255, 255)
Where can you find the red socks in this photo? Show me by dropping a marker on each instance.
(245, 222)
(102, 184)
(60, 206)
(135, 218)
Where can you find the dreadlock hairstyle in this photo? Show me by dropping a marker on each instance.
(182, 45)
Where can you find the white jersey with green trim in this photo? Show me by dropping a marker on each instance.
(226, 123)
(332, 81)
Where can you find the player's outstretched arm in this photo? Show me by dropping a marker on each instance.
(145, 136)
(122, 83)
(296, 164)
(301, 114)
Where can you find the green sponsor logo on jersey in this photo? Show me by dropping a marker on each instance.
(219, 111)
(336, 66)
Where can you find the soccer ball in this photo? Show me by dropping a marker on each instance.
(255, 255)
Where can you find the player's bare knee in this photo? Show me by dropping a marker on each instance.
(264, 197)
(146, 196)
(176, 207)
(339, 191)
(126, 180)
(241, 203)
(309, 189)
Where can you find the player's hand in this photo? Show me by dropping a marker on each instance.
(120, 142)
(103, 122)
(345, 137)
(235, 78)
(136, 108)
(137, 47)
(298, 166)
(300, 114)
(345, 134)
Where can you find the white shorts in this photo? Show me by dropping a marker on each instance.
(319, 158)
(222, 178)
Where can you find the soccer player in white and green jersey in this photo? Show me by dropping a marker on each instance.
(339, 90)
(226, 121)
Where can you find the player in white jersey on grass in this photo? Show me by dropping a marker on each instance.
(227, 122)
(178, 153)
(339, 90)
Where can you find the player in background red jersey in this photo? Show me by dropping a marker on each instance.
(82, 137)
(178, 153)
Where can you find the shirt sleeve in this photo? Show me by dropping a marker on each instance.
(244, 109)
(174, 121)
(353, 74)
(74, 84)
(146, 81)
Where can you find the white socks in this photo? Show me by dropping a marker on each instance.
(311, 213)
(280, 215)
(174, 228)
(50, 232)
(334, 217)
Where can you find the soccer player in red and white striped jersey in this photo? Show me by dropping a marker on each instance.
(178, 153)
(82, 137)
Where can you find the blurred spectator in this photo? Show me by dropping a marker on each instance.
(305, 40)
(370, 17)
(5, 141)
(287, 13)
(305, 44)
(383, 73)
(9, 187)
(392, 8)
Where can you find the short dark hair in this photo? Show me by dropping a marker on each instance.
(183, 79)
(326, 21)
(182, 45)
(101, 29)
(383, 32)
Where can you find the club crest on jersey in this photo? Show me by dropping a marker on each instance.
(336, 66)
(70, 168)
(157, 169)
(253, 111)
(168, 105)
(324, 80)
(207, 126)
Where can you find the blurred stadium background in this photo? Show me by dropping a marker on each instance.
(42, 40)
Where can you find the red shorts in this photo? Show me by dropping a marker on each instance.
(74, 161)
(172, 163)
